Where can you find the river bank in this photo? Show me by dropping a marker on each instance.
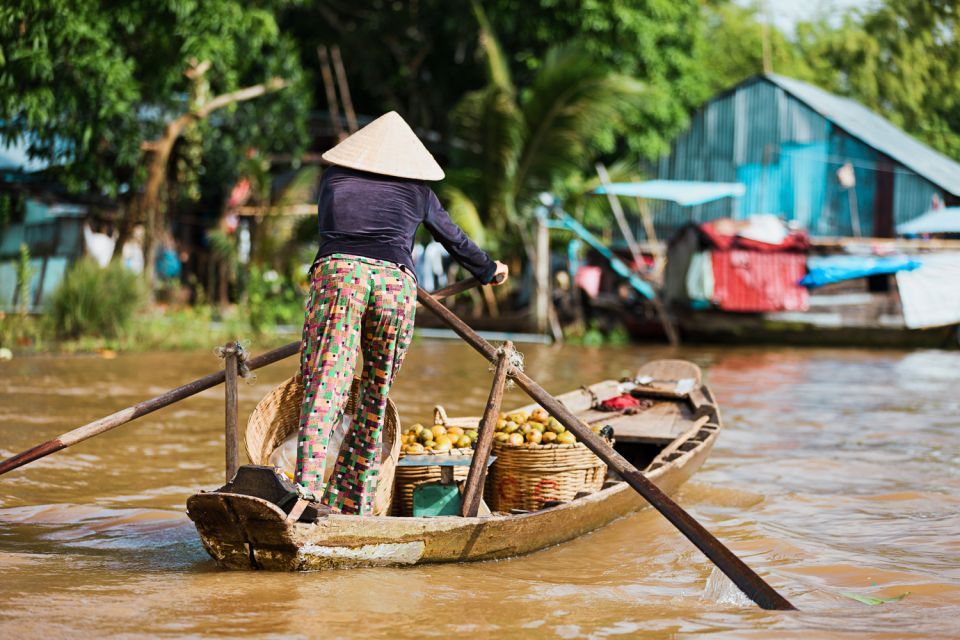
(158, 329)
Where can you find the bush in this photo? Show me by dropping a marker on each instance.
(96, 302)
(272, 300)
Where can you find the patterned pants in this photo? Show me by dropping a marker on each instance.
(355, 304)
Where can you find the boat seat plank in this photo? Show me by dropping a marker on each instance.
(582, 400)
(660, 424)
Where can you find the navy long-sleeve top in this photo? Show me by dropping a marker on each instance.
(375, 216)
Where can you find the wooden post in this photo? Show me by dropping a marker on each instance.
(341, 73)
(542, 276)
(668, 328)
(330, 90)
(854, 212)
(473, 490)
(232, 448)
(618, 215)
(651, 232)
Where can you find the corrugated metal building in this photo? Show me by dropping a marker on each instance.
(52, 230)
(785, 140)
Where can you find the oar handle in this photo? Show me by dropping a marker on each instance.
(743, 576)
(124, 416)
(461, 286)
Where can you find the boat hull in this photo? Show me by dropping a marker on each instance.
(244, 532)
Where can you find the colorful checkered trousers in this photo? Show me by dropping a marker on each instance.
(355, 305)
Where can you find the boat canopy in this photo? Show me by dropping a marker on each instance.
(936, 221)
(683, 192)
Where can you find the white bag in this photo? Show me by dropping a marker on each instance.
(284, 457)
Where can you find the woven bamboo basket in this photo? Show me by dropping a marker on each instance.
(277, 416)
(407, 479)
(525, 477)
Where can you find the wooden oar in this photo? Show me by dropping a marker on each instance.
(743, 576)
(140, 409)
(473, 489)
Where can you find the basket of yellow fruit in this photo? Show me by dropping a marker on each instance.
(436, 440)
(539, 461)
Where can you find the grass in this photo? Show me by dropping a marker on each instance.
(158, 329)
(104, 309)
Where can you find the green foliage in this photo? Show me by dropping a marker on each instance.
(900, 58)
(654, 41)
(87, 82)
(732, 47)
(24, 275)
(66, 83)
(272, 300)
(430, 55)
(522, 142)
(594, 336)
(7, 208)
(21, 330)
(415, 57)
(91, 301)
(463, 211)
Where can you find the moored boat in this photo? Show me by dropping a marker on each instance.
(668, 439)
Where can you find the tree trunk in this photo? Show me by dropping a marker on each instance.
(147, 207)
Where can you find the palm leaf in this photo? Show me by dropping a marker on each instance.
(572, 102)
(498, 69)
(489, 125)
(463, 211)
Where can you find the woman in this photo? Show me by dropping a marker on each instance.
(363, 295)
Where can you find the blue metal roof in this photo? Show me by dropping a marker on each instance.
(683, 192)
(937, 221)
(876, 131)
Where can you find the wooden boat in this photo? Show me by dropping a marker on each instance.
(668, 441)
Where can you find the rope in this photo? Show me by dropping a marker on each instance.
(514, 363)
(235, 348)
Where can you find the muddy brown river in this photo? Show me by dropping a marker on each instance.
(837, 475)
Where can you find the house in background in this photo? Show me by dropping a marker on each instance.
(808, 156)
(50, 224)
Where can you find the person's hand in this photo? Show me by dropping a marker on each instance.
(501, 274)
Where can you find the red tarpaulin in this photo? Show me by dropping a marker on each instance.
(755, 281)
(724, 234)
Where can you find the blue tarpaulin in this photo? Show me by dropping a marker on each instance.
(937, 221)
(823, 270)
(684, 193)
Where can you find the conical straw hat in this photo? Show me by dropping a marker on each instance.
(387, 146)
